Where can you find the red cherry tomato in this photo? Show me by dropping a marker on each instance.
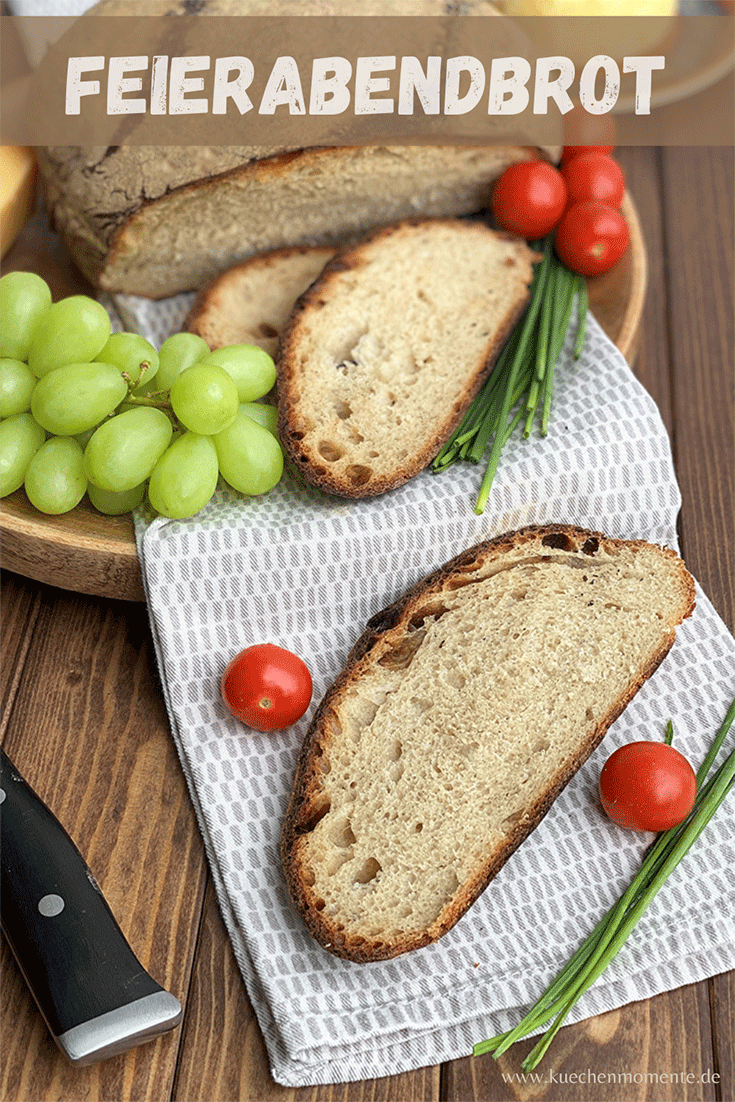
(647, 786)
(267, 687)
(529, 199)
(591, 238)
(569, 152)
(594, 176)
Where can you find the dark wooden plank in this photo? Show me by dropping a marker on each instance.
(722, 1008)
(656, 1049)
(19, 605)
(698, 203)
(89, 731)
(223, 1055)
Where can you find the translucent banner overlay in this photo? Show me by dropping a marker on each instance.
(284, 83)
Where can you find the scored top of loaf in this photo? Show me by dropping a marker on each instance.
(385, 351)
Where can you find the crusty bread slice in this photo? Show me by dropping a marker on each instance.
(387, 348)
(463, 710)
(251, 303)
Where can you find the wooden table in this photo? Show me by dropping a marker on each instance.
(84, 720)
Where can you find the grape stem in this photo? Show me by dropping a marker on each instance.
(157, 399)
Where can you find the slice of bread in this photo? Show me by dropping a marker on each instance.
(463, 711)
(251, 303)
(387, 348)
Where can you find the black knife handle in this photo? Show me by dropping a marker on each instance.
(95, 995)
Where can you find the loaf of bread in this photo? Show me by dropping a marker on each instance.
(156, 221)
(462, 712)
(386, 350)
(251, 303)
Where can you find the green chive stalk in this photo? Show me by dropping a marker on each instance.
(611, 933)
(523, 376)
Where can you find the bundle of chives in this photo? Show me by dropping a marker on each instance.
(524, 370)
(608, 937)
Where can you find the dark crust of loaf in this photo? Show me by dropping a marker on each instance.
(199, 318)
(309, 463)
(304, 811)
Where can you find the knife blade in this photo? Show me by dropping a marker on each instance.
(95, 995)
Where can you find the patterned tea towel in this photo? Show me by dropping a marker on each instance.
(305, 570)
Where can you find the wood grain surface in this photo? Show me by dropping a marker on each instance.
(84, 720)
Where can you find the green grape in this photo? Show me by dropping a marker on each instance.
(77, 397)
(250, 367)
(24, 298)
(55, 480)
(265, 415)
(185, 477)
(16, 386)
(71, 331)
(124, 450)
(250, 457)
(178, 352)
(128, 352)
(115, 502)
(204, 398)
(20, 439)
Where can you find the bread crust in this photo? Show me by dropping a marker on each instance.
(210, 304)
(350, 259)
(304, 808)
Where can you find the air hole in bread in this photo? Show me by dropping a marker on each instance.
(455, 679)
(395, 749)
(519, 594)
(341, 834)
(460, 582)
(320, 808)
(341, 408)
(319, 904)
(541, 745)
(511, 820)
(359, 475)
(329, 451)
(368, 872)
(418, 828)
(309, 877)
(372, 454)
(435, 611)
(400, 656)
(562, 540)
(396, 772)
(589, 715)
(421, 706)
(357, 438)
(266, 330)
(335, 862)
(591, 546)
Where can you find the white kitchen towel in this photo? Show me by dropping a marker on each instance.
(305, 570)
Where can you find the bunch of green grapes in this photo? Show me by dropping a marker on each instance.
(84, 410)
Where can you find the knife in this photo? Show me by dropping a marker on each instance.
(96, 997)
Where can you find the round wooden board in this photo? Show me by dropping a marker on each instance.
(89, 553)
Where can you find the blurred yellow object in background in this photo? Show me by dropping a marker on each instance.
(17, 191)
(591, 7)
